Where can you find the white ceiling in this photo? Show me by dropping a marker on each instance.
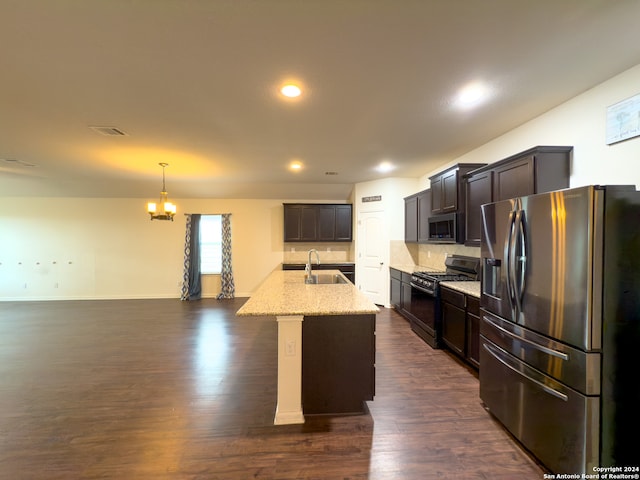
(194, 83)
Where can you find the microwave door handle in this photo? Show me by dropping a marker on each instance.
(521, 260)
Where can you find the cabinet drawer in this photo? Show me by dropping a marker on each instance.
(473, 306)
(396, 274)
(453, 297)
(406, 277)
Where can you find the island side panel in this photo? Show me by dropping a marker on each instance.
(289, 407)
(338, 363)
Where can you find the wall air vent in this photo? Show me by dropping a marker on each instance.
(109, 131)
(15, 161)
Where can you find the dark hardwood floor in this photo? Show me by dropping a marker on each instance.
(163, 389)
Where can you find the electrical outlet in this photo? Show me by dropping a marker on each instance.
(290, 348)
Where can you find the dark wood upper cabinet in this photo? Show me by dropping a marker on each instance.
(447, 188)
(450, 191)
(417, 209)
(424, 211)
(539, 169)
(514, 179)
(411, 219)
(310, 222)
(344, 223)
(479, 191)
(436, 194)
(326, 223)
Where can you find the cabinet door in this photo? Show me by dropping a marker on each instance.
(411, 219)
(479, 189)
(344, 223)
(454, 327)
(450, 192)
(292, 223)
(396, 295)
(308, 224)
(424, 211)
(405, 299)
(326, 223)
(436, 195)
(473, 330)
(514, 179)
(454, 320)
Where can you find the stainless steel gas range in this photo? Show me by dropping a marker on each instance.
(424, 306)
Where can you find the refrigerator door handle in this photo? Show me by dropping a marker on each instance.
(521, 261)
(510, 262)
(497, 355)
(548, 351)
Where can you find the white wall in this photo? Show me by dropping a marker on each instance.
(392, 192)
(580, 123)
(107, 248)
(75, 248)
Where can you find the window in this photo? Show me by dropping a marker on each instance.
(210, 244)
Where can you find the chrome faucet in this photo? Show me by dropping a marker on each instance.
(307, 268)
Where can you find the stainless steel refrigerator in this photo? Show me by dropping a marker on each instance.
(560, 327)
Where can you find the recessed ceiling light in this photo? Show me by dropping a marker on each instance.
(295, 166)
(385, 167)
(291, 91)
(471, 95)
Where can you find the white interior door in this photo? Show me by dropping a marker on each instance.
(372, 262)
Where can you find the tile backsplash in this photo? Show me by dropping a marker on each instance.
(434, 255)
(427, 255)
(329, 252)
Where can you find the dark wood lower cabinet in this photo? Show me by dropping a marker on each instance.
(338, 363)
(395, 288)
(473, 331)
(454, 320)
(461, 324)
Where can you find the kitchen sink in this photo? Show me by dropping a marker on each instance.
(324, 279)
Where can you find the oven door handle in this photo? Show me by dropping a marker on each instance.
(422, 289)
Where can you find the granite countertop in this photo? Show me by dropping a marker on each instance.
(469, 288)
(284, 293)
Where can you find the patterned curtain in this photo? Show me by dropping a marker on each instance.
(228, 289)
(191, 285)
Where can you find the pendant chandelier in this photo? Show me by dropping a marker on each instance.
(163, 210)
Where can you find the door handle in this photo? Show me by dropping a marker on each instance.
(548, 351)
(520, 261)
(496, 354)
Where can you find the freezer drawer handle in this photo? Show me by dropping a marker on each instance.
(546, 350)
(547, 389)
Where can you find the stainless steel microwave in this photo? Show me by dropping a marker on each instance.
(445, 228)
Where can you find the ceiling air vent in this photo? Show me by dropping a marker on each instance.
(109, 131)
(331, 173)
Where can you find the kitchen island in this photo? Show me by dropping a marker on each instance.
(326, 344)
